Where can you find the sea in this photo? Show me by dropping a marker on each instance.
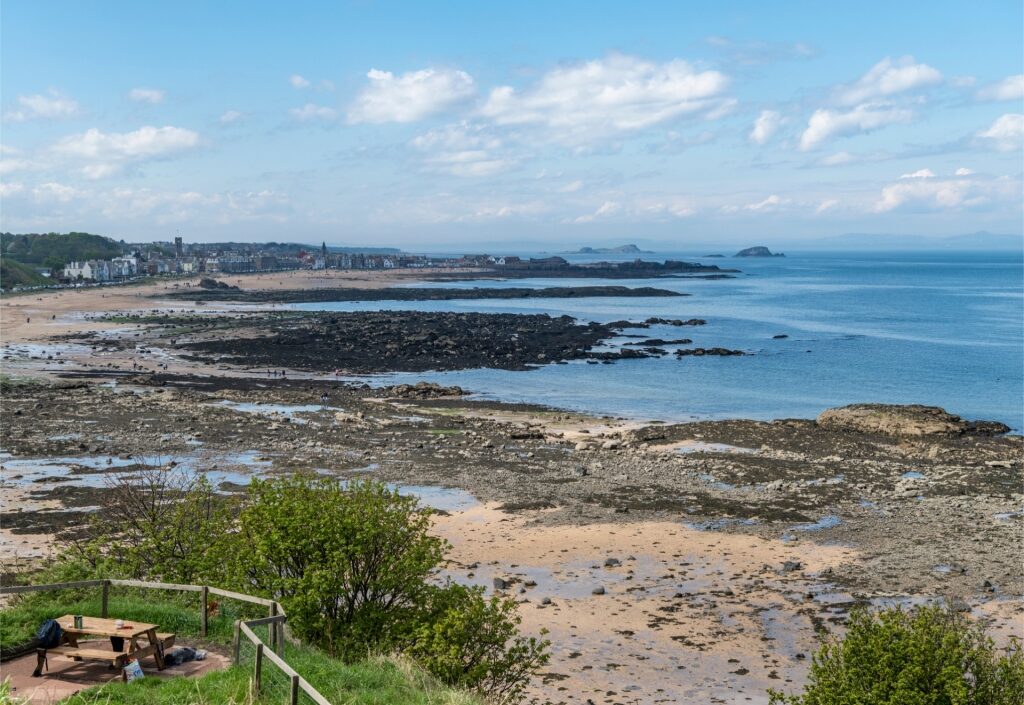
(936, 328)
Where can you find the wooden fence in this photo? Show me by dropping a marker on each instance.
(275, 621)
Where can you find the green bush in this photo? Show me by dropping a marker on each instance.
(349, 564)
(353, 565)
(472, 641)
(157, 524)
(929, 655)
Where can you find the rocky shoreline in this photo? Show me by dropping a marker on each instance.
(227, 293)
(367, 342)
(771, 479)
(688, 562)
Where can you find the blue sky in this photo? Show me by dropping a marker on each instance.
(456, 123)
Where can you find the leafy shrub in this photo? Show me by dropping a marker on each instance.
(471, 641)
(926, 656)
(349, 564)
(353, 564)
(159, 523)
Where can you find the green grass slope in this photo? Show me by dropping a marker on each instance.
(57, 249)
(17, 274)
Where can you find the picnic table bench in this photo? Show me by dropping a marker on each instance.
(138, 640)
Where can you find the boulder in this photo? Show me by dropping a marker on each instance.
(898, 420)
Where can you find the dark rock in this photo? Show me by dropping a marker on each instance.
(759, 251)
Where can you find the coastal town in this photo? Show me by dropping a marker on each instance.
(129, 263)
(169, 259)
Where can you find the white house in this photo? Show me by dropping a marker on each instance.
(78, 270)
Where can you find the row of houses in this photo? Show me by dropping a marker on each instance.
(196, 259)
(126, 267)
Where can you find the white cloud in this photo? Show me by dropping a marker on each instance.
(826, 124)
(54, 105)
(837, 159)
(107, 152)
(766, 125)
(826, 205)
(311, 112)
(146, 95)
(144, 142)
(605, 96)
(10, 188)
(771, 203)
(410, 96)
(10, 161)
(180, 206)
(571, 187)
(100, 170)
(1010, 88)
(459, 136)
(964, 171)
(889, 77)
(10, 165)
(1006, 134)
(229, 117)
(919, 174)
(298, 81)
(964, 192)
(53, 191)
(471, 162)
(606, 209)
(463, 149)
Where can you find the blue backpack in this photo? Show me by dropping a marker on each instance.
(49, 634)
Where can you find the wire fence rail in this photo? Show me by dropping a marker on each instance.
(274, 622)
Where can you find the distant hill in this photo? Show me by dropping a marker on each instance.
(759, 251)
(57, 249)
(284, 248)
(620, 250)
(14, 274)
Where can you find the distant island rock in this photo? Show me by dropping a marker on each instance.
(759, 251)
(620, 250)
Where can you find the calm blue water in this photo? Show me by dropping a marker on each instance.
(929, 328)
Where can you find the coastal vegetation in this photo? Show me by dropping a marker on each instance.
(354, 565)
(54, 250)
(928, 655)
(14, 273)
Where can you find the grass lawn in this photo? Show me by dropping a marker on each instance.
(376, 681)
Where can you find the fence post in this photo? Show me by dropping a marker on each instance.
(273, 627)
(236, 645)
(204, 616)
(105, 599)
(258, 667)
(294, 698)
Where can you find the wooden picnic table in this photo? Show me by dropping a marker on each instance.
(138, 641)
